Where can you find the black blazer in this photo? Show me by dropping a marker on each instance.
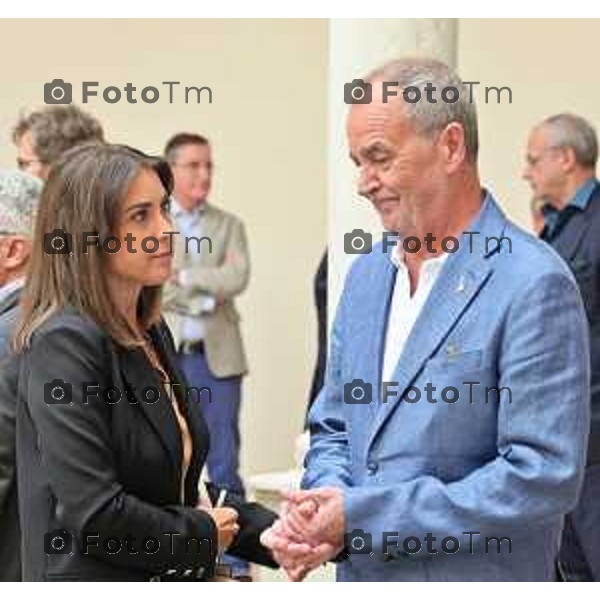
(320, 295)
(578, 243)
(95, 469)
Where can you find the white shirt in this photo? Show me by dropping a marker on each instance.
(190, 224)
(404, 308)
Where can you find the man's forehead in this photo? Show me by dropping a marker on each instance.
(366, 121)
(196, 149)
(538, 137)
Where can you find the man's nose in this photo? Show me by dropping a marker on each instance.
(368, 183)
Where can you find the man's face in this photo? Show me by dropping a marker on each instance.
(27, 159)
(400, 170)
(192, 171)
(545, 167)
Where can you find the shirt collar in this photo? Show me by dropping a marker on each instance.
(10, 287)
(580, 200)
(178, 211)
(398, 258)
(584, 193)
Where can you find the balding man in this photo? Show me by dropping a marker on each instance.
(449, 439)
(561, 167)
(19, 194)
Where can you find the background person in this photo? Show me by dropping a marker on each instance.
(199, 303)
(19, 195)
(562, 152)
(41, 136)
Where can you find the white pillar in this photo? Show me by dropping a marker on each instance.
(356, 46)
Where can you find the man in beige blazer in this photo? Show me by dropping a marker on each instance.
(211, 267)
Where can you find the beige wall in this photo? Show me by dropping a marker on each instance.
(268, 127)
(551, 67)
(268, 122)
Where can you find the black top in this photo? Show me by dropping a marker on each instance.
(320, 296)
(92, 468)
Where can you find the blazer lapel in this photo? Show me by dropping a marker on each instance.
(140, 375)
(376, 328)
(461, 279)
(188, 405)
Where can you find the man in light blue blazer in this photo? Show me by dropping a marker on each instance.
(449, 439)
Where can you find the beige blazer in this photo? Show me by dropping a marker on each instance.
(223, 271)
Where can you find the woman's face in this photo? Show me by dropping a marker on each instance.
(145, 256)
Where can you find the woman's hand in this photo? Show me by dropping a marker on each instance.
(226, 521)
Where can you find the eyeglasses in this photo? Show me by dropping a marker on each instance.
(24, 164)
(532, 161)
(194, 166)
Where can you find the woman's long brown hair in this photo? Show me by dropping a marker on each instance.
(83, 193)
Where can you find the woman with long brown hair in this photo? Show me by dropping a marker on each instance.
(110, 443)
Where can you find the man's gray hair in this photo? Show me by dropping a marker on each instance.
(428, 117)
(567, 130)
(19, 198)
(56, 129)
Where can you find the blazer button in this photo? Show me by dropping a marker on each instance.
(372, 467)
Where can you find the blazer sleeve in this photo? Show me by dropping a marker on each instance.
(253, 519)
(74, 443)
(227, 279)
(541, 435)
(328, 461)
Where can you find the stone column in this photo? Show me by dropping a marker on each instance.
(356, 46)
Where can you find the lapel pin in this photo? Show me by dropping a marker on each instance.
(451, 350)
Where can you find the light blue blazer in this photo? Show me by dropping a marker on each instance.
(498, 465)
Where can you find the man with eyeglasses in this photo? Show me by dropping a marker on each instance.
(561, 168)
(19, 195)
(211, 267)
(43, 135)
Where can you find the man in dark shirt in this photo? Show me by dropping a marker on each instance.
(561, 169)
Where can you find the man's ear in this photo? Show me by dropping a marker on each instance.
(568, 158)
(452, 144)
(15, 252)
